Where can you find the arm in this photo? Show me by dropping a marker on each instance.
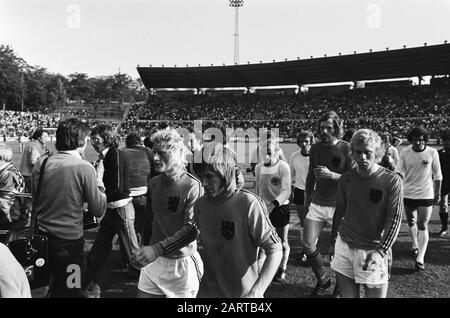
(265, 236)
(34, 155)
(257, 176)
(393, 216)
(338, 215)
(291, 166)
(392, 224)
(310, 182)
(285, 183)
(395, 156)
(437, 177)
(95, 198)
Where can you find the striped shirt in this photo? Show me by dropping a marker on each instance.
(371, 208)
(174, 229)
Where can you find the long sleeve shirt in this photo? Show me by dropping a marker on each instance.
(174, 229)
(232, 231)
(371, 208)
(68, 182)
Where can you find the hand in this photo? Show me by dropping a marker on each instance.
(253, 294)
(331, 251)
(437, 199)
(144, 256)
(373, 258)
(322, 172)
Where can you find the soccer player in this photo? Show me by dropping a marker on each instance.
(444, 158)
(171, 266)
(273, 184)
(329, 158)
(422, 179)
(299, 164)
(368, 217)
(233, 227)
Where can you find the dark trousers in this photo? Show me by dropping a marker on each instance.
(116, 221)
(141, 218)
(66, 264)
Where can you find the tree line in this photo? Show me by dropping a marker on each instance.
(33, 88)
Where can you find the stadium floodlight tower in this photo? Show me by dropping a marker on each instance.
(236, 4)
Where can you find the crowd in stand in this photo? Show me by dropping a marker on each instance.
(395, 109)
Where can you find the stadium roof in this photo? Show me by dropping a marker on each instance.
(411, 62)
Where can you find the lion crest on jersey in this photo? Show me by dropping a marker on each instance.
(227, 229)
(336, 162)
(275, 181)
(172, 204)
(375, 195)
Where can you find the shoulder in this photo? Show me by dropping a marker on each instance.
(283, 164)
(295, 154)
(156, 180)
(250, 197)
(191, 180)
(392, 176)
(344, 145)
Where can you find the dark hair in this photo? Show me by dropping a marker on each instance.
(305, 134)
(132, 139)
(148, 142)
(37, 133)
(417, 132)
(386, 134)
(71, 134)
(337, 123)
(106, 132)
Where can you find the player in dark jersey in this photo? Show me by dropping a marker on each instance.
(329, 158)
(368, 217)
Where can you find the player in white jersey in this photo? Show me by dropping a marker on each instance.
(422, 179)
(273, 184)
(299, 164)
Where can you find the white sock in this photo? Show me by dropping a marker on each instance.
(423, 244)
(413, 231)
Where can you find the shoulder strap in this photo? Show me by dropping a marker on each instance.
(36, 198)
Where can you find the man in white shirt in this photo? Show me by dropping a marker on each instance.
(422, 180)
(299, 164)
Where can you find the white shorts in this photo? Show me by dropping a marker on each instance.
(172, 277)
(349, 262)
(321, 213)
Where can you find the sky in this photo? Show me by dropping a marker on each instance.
(101, 37)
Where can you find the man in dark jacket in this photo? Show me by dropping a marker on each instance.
(119, 216)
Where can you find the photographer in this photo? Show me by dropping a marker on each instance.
(68, 181)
